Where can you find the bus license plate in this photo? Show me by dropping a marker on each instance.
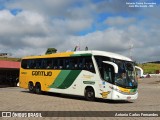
(128, 98)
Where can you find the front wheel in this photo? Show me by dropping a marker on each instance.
(89, 94)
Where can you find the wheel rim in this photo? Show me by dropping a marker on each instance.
(30, 86)
(90, 94)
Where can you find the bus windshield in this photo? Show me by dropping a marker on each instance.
(126, 73)
(126, 76)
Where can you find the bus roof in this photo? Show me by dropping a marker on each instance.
(82, 53)
(105, 53)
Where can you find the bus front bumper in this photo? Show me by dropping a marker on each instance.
(120, 96)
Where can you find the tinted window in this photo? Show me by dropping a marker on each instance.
(72, 63)
(106, 71)
(100, 59)
(24, 64)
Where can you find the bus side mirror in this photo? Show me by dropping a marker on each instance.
(141, 71)
(113, 64)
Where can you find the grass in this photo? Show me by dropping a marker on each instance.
(149, 67)
(10, 59)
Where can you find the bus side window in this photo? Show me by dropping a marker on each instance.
(43, 64)
(28, 64)
(71, 66)
(66, 63)
(55, 64)
(81, 63)
(107, 73)
(49, 63)
(60, 64)
(76, 63)
(38, 63)
(89, 65)
(24, 64)
(32, 64)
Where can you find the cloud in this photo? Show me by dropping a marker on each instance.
(27, 51)
(14, 28)
(115, 7)
(48, 24)
(143, 35)
(109, 40)
(71, 25)
(40, 24)
(56, 8)
(25, 22)
(120, 21)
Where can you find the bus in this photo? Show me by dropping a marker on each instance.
(92, 74)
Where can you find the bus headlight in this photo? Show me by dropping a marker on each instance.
(123, 92)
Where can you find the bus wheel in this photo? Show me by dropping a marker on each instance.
(89, 94)
(38, 88)
(31, 87)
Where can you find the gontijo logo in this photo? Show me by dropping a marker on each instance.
(41, 73)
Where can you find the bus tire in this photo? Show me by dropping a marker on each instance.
(31, 87)
(38, 88)
(89, 94)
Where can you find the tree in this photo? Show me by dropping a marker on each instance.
(51, 50)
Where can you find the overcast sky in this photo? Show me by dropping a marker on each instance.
(29, 27)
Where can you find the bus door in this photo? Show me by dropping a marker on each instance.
(107, 75)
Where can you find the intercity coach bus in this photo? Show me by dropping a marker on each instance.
(92, 74)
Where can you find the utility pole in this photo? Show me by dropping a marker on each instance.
(130, 49)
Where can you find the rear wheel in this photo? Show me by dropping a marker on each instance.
(89, 94)
(38, 88)
(31, 87)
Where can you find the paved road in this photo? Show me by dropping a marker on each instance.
(17, 99)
